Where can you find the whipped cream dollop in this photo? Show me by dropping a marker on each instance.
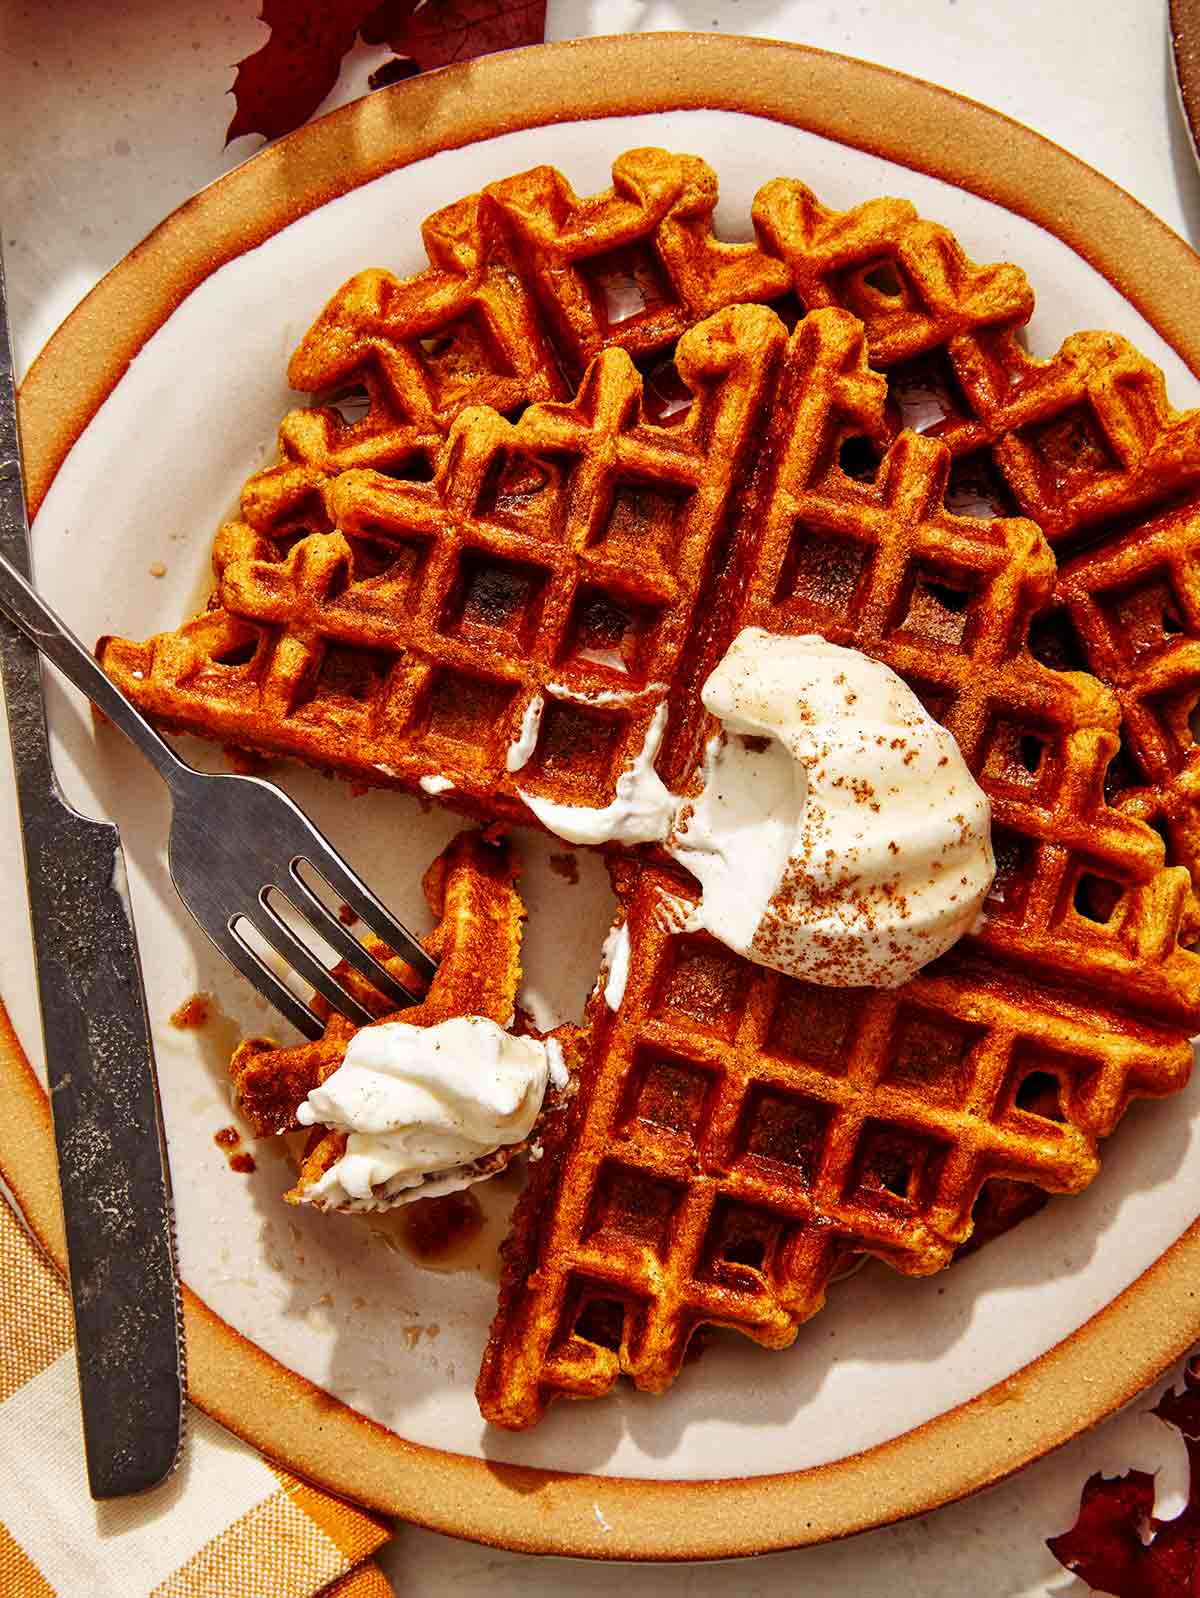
(423, 1106)
(838, 835)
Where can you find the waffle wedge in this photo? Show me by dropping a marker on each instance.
(739, 1134)
(1085, 917)
(545, 580)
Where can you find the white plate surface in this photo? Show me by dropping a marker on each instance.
(147, 483)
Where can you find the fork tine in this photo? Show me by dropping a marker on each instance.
(349, 948)
(366, 906)
(271, 926)
(272, 987)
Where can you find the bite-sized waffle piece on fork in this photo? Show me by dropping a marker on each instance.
(737, 1134)
(472, 889)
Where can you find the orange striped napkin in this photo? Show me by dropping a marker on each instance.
(227, 1524)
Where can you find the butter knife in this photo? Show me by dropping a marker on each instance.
(112, 1160)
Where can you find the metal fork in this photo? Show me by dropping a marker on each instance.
(228, 830)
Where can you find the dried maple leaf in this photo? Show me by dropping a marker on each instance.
(442, 31)
(1117, 1545)
(284, 82)
(280, 85)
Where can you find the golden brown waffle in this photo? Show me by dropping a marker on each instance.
(737, 1133)
(471, 888)
(488, 603)
(1084, 443)
(558, 560)
(1082, 897)
(528, 281)
(946, 601)
(390, 606)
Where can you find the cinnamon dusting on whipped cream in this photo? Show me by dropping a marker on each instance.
(854, 848)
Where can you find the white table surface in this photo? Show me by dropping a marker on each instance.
(111, 115)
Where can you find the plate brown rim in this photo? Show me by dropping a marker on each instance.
(1074, 1384)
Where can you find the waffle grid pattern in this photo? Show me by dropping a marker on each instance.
(546, 578)
(744, 1131)
(528, 281)
(946, 601)
(405, 594)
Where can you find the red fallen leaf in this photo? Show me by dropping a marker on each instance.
(284, 82)
(280, 85)
(1117, 1545)
(442, 31)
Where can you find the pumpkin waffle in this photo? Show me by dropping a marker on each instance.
(528, 281)
(1084, 443)
(492, 630)
(471, 889)
(738, 1133)
(1082, 897)
(536, 596)
(946, 601)
(486, 605)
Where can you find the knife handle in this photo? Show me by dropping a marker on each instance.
(26, 609)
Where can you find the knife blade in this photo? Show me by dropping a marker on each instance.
(112, 1159)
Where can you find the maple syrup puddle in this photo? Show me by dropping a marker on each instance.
(452, 1233)
(456, 1232)
(191, 1013)
(440, 1228)
(441, 1234)
(566, 866)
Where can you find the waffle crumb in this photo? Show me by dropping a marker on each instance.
(193, 1012)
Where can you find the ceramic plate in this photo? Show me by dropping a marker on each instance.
(313, 1337)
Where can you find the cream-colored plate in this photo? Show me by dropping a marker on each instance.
(141, 419)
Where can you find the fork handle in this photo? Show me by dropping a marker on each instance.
(26, 609)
